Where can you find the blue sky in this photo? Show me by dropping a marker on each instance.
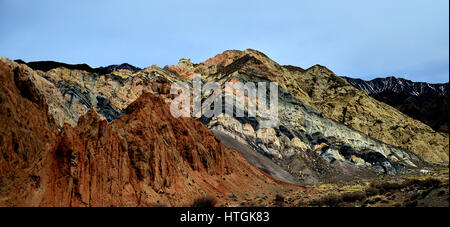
(364, 39)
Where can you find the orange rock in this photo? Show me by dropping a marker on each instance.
(320, 146)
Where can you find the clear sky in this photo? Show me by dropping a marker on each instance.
(365, 39)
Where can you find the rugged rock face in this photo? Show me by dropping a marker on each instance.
(143, 158)
(422, 101)
(309, 146)
(26, 133)
(340, 101)
(71, 93)
(336, 99)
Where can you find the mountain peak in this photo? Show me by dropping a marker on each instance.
(398, 85)
(48, 65)
(223, 59)
(126, 66)
(420, 100)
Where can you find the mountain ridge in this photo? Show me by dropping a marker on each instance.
(49, 65)
(399, 85)
(337, 99)
(306, 85)
(419, 100)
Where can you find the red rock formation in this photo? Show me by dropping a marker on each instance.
(26, 133)
(224, 58)
(144, 158)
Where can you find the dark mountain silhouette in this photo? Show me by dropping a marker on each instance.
(420, 100)
(126, 66)
(48, 65)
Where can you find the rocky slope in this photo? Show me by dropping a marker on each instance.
(309, 146)
(422, 101)
(336, 99)
(145, 157)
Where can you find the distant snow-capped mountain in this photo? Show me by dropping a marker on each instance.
(126, 66)
(398, 85)
(420, 100)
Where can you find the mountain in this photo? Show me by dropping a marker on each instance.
(144, 158)
(108, 138)
(308, 145)
(337, 100)
(399, 85)
(422, 101)
(305, 148)
(124, 66)
(49, 65)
